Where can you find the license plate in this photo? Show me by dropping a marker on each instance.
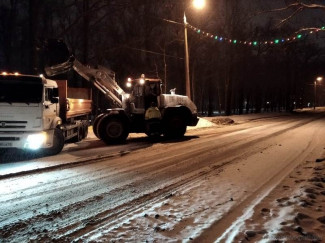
(5, 144)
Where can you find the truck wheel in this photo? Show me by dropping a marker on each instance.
(113, 131)
(79, 136)
(175, 126)
(58, 143)
(85, 131)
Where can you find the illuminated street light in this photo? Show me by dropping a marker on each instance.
(319, 79)
(198, 4)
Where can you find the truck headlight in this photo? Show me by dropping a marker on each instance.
(35, 141)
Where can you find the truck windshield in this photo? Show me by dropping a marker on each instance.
(24, 89)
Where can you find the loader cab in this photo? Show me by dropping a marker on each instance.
(152, 90)
(143, 92)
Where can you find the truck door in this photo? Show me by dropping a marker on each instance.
(50, 109)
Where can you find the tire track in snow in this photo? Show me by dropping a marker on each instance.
(128, 206)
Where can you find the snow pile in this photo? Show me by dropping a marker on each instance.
(203, 122)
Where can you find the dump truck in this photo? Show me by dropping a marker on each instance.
(40, 114)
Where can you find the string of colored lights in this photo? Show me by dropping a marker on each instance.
(275, 41)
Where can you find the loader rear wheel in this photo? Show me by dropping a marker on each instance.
(113, 131)
(175, 126)
(58, 143)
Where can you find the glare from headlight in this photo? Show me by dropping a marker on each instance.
(35, 141)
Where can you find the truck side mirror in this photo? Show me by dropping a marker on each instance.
(55, 92)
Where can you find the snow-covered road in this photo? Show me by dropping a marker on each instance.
(203, 188)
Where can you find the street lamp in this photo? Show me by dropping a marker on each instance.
(319, 79)
(198, 4)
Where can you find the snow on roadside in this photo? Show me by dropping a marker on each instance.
(294, 211)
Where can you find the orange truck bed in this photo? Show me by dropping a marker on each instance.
(74, 102)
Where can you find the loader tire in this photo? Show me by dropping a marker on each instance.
(175, 126)
(95, 124)
(113, 130)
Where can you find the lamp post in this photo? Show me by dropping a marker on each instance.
(187, 62)
(198, 4)
(319, 79)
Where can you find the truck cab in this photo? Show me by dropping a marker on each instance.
(28, 111)
(37, 114)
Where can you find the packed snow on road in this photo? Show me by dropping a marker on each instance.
(239, 178)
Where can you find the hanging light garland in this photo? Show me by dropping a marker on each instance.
(275, 41)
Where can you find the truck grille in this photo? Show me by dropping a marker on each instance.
(12, 124)
(9, 138)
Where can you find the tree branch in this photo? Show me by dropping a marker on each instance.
(293, 5)
(289, 17)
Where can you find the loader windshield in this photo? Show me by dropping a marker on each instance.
(23, 89)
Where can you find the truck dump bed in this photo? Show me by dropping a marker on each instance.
(74, 102)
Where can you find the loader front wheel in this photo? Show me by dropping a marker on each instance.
(95, 124)
(113, 131)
